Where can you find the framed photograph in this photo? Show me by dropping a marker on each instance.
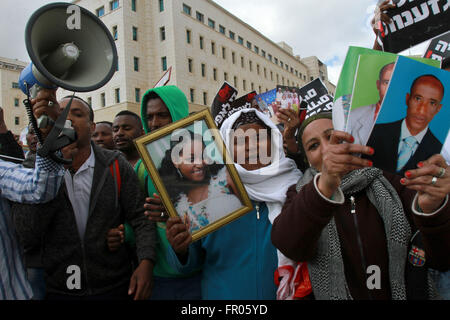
(194, 174)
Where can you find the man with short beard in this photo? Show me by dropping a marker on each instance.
(126, 127)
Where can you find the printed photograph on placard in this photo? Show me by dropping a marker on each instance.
(412, 124)
(287, 98)
(194, 174)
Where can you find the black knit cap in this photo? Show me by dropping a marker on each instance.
(248, 118)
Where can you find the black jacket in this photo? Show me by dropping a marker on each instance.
(54, 223)
(385, 139)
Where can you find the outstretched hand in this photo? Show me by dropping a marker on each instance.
(338, 159)
(431, 181)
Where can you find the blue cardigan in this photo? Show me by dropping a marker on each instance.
(238, 261)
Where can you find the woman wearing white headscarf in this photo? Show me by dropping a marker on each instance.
(238, 261)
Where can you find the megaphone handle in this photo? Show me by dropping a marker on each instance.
(29, 109)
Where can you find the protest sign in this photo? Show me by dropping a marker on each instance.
(414, 22)
(317, 97)
(222, 103)
(439, 47)
(414, 114)
(164, 79)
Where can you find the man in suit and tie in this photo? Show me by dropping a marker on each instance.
(401, 145)
(362, 119)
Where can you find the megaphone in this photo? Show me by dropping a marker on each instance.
(70, 48)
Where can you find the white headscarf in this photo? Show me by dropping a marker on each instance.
(268, 184)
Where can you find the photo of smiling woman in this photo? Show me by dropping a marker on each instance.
(201, 192)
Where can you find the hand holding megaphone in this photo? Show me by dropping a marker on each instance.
(45, 104)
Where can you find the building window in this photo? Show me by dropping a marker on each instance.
(276, 61)
(186, 9)
(162, 33)
(188, 36)
(244, 85)
(271, 76)
(205, 98)
(16, 102)
(222, 29)
(224, 51)
(281, 64)
(233, 57)
(89, 101)
(249, 45)
(265, 73)
(250, 65)
(100, 12)
(117, 95)
(115, 33)
(103, 99)
(137, 94)
(192, 93)
(312, 78)
(213, 47)
(215, 74)
(190, 65)
(117, 65)
(259, 91)
(225, 76)
(133, 5)
(253, 86)
(256, 50)
(114, 5)
(263, 53)
(200, 17)
(212, 24)
(201, 42)
(241, 40)
(257, 69)
(135, 31)
(15, 85)
(235, 81)
(231, 34)
(161, 5)
(164, 63)
(242, 62)
(136, 63)
(270, 57)
(16, 121)
(203, 70)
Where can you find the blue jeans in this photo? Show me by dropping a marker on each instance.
(177, 288)
(442, 282)
(37, 282)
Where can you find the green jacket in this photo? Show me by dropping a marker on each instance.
(176, 102)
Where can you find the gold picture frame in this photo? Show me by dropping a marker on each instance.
(154, 149)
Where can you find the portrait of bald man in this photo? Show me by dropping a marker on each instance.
(401, 145)
(362, 119)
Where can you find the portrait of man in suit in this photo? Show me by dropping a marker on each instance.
(401, 145)
(361, 119)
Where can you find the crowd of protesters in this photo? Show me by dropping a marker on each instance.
(326, 223)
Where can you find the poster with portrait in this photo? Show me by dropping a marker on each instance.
(347, 78)
(412, 124)
(194, 174)
(371, 83)
(414, 22)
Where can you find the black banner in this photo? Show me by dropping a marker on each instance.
(413, 22)
(439, 47)
(225, 103)
(316, 95)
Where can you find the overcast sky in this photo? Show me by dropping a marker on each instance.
(311, 27)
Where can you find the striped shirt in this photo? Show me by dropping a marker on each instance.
(25, 186)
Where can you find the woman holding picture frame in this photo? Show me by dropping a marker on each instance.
(238, 261)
